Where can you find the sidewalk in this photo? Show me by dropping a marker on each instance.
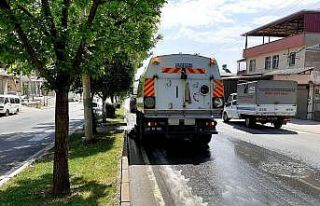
(304, 126)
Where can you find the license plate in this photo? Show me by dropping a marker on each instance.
(189, 122)
(173, 121)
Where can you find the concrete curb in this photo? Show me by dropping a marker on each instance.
(124, 179)
(13, 172)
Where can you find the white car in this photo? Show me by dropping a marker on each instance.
(9, 104)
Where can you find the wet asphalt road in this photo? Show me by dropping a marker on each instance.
(28, 132)
(230, 171)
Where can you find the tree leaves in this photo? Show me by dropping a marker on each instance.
(117, 26)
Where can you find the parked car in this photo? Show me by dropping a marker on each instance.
(9, 104)
(96, 107)
(133, 104)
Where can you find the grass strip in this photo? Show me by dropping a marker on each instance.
(93, 173)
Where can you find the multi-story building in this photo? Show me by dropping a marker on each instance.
(290, 50)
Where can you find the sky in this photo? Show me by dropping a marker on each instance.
(213, 28)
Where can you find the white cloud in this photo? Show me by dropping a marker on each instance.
(216, 35)
(193, 13)
(255, 6)
(260, 21)
(195, 24)
(222, 18)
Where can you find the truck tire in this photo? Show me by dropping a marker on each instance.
(249, 121)
(204, 140)
(7, 113)
(277, 124)
(225, 117)
(140, 128)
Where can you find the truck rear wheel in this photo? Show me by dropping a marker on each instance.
(277, 124)
(250, 122)
(204, 139)
(225, 117)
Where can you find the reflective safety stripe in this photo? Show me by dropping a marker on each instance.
(149, 88)
(174, 70)
(196, 71)
(171, 70)
(218, 90)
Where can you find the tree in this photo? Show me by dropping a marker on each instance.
(61, 39)
(117, 78)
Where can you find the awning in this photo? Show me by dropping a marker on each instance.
(284, 27)
(241, 60)
(247, 77)
(288, 71)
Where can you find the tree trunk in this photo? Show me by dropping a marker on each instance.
(61, 182)
(87, 103)
(104, 109)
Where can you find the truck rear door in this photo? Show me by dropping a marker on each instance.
(169, 94)
(179, 94)
(197, 94)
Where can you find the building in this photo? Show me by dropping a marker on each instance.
(8, 83)
(30, 88)
(34, 92)
(289, 50)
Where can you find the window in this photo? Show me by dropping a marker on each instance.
(275, 62)
(267, 63)
(234, 97)
(17, 101)
(12, 100)
(6, 100)
(292, 59)
(252, 65)
(245, 90)
(229, 99)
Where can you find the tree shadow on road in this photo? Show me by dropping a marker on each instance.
(51, 125)
(78, 149)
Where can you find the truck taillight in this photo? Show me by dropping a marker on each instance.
(217, 102)
(149, 102)
(152, 124)
(211, 124)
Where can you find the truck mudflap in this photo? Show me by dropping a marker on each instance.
(156, 126)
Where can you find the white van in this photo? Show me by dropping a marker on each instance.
(9, 104)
